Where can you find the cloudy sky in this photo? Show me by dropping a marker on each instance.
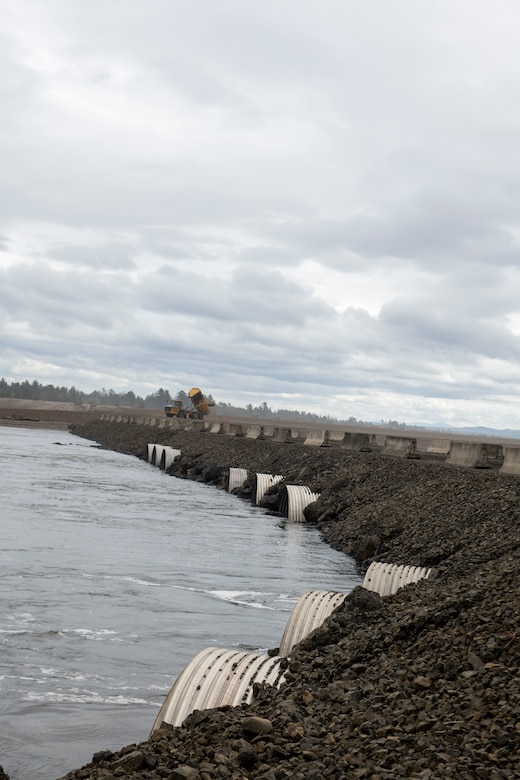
(313, 203)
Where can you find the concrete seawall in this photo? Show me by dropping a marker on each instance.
(420, 684)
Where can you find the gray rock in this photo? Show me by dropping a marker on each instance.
(256, 725)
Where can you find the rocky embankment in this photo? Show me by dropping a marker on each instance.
(422, 684)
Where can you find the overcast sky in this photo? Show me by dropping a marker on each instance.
(313, 203)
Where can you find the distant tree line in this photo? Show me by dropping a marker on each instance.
(264, 412)
(35, 391)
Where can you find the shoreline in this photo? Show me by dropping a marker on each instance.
(57, 415)
(17, 422)
(422, 684)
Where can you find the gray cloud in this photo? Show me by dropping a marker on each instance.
(313, 205)
(248, 297)
(109, 256)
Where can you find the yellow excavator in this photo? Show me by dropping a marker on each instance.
(199, 408)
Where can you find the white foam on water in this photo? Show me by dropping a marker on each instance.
(234, 597)
(18, 619)
(67, 674)
(136, 580)
(86, 697)
(87, 633)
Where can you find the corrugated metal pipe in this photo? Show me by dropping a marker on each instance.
(262, 484)
(312, 609)
(386, 578)
(294, 500)
(217, 677)
(169, 456)
(237, 477)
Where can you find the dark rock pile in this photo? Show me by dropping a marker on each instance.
(422, 684)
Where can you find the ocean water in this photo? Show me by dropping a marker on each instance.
(114, 576)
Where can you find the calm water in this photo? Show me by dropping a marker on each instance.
(113, 577)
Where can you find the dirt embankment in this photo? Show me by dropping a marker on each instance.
(56, 414)
(423, 684)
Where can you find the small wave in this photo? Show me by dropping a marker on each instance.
(233, 597)
(248, 647)
(85, 697)
(20, 618)
(68, 674)
(83, 633)
(127, 578)
(191, 589)
(87, 633)
(23, 677)
(147, 583)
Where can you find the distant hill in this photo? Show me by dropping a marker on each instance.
(502, 433)
(505, 433)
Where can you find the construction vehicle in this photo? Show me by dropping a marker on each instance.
(199, 406)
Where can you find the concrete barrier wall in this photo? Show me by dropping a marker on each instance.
(234, 429)
(192, 425)
(315, 438)
(357, 442)
(494, 451)
(399, 446)
(511, 464)
(469, 454)
(334, 438)
(438, 446)
(282, 435)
